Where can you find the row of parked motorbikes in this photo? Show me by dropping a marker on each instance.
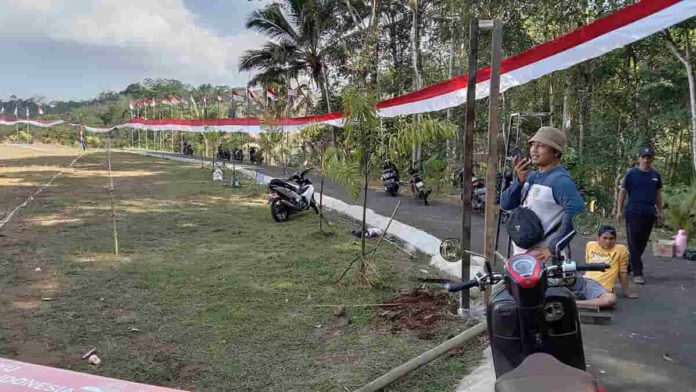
(225, 154)
(391, 182)
(237, 154)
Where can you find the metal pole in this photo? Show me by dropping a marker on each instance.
(468, 151)
(492, 169)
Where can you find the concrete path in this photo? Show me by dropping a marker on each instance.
(651, 342)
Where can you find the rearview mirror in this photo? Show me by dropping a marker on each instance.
(451, 249)
(586, 223)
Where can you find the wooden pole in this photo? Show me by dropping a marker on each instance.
(492, 169)
(423, 359)
(467, 155)
(111, 191)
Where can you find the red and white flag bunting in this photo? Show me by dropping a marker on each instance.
(616, 30)
(271, 95)
(37, 123)
(236, 97)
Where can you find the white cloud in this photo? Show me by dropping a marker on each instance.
(164, 35)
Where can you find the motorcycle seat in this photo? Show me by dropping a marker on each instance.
(543, 372)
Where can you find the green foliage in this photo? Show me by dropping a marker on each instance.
(361, 125)
(435, 168)
(422, 132)
(680, 212)
(343, 170)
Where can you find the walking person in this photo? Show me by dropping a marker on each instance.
(643, 186)
(83, 143)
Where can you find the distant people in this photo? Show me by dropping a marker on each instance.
(643, 186)
(604, 250)
(83, 143)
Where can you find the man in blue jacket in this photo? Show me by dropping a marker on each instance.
(550, 192)
(643, 186)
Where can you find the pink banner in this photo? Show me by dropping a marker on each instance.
(20, 376)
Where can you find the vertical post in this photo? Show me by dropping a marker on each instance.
(492, 169)
(468, 151)
(111, 191)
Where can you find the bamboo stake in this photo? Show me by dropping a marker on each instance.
(111, 191)
(423, 359)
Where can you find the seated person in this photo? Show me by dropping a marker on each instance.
(597, 287)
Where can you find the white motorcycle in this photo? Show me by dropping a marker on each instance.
(294, 195)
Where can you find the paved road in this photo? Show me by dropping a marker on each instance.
(651, 342)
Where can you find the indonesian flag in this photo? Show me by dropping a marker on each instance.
(271, 95)
(219, 98)
(166, 101)
(15, 112)
(130, 105)
(38, 110)
(153, 102)
(236, 97)
(292, 92)
(251, 93)
(174, 100)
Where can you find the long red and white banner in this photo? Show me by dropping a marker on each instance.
(616, 30)
(37, 123)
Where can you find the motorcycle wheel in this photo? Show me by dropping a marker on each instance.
(424, 196)
(279, 212)
(393, 192)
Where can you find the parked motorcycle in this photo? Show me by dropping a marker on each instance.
(294, 195)
(478, 190)
(223, 153)
(255, 156)
(238, 155)
(417, 186)
(390, 178)
(478, 194)
(188, 149)
(533, 322)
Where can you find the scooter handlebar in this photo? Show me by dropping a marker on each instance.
(592, 267)
(454, 287)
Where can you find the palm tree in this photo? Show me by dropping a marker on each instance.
(297, 30)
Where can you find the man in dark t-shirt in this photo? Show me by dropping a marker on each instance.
(643, 186)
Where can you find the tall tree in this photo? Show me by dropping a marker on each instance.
(297, 30)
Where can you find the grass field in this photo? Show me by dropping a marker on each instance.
(208, 293)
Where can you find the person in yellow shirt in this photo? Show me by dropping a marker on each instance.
(597, 287)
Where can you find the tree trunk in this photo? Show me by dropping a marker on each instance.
(415, 58)
(686, 60)
(581, 127)
(566, 103)
(551, 104)
(618, 173)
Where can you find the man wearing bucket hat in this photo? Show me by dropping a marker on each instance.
(549, 191)
(643, 186)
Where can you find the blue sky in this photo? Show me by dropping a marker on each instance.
(74, 49)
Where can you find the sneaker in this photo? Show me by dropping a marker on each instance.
(638, 280)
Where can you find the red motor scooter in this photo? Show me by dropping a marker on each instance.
(533, 322)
